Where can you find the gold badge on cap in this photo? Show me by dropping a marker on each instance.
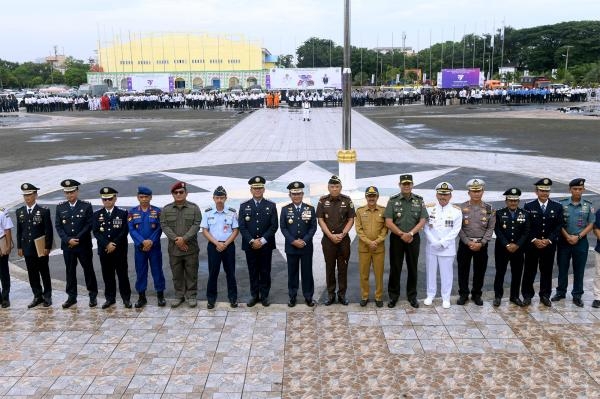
(25, 186)
(546, 181)
(444, 186)
(513, 191)
(105, 189)
(257, 179)
(68, 183)
(296, 185)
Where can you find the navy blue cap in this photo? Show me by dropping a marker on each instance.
(143, 190)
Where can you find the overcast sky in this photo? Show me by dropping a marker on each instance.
(281, 25)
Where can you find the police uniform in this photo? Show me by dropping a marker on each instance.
(183, 220)
(258, 221)
(33, 223)
(110, 229)
(299, 222)
(334, 213)
(220, 226)
(74, 221)
(477, 226)
(441, 228)
(596, 302)
(512, 228)
(405, 214)
(370, 227)
(579, 219)
(145, 225)
(546, 223)
(6, 225)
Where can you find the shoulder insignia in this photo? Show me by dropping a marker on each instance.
(1, 209)
(62, 202)
(324, 197)
(232, 210)
(589, 202)
(395, 195)
(457, 207)
(417, 196)
(86, 202)
(430, 204)
(208, 209)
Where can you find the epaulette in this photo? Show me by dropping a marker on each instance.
(395, 195)
(457, 207)
(417, 196)
(86, 202)
(323, 197)
(62, 203)
(1, 209)
(588, 201)
(208, 209)
(344, 196)
(232, 210)
(429, 204)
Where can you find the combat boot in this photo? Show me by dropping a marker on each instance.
(142, 301)
(161, 299)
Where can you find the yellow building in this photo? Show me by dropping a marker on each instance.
(185, 61)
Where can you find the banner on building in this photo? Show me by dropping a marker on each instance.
(162, 81)
(304, 78)
(459, 78)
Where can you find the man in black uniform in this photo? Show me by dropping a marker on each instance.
(335, 214)
(34, 224)
(258, 224)
(298, 224)
(512, 230)
(110, 229)
(546, 222)
(73, 224)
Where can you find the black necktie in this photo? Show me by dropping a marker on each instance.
(29, 211)
(543, 208)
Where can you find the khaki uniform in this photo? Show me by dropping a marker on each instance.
(183, 221)
(370, 226)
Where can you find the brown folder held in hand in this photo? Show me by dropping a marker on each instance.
(4, 245)
(40, 245)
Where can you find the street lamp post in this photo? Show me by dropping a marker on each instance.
(566, 63)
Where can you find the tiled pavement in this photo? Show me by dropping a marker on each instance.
(277, 352)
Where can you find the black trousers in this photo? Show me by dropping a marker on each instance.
(300, 265)
(398, 251)
(38, 267)
(516, 259)
(544, 259)
(336, 254)
(215, 258)
(463, 257)
(259, 271)
(84, 256)
(4, 277)
(111, 264)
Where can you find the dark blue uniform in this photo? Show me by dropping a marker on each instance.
(29, 227)
(511, 228)
(76, 222)
(257, 221)
(543, 225)
(145, 225)
(299, 224)
(113, 228)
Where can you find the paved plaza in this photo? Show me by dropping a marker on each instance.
(278, 352)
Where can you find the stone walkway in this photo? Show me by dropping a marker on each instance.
(277, 352)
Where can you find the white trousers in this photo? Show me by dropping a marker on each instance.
(305, 113)
(446, 274)
(597, 277)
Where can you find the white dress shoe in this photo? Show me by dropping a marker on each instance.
(446, 304)
(428, 301)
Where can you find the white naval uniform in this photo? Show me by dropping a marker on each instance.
(441, 230)
(306, 110)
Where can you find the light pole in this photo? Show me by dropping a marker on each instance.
(566, 63)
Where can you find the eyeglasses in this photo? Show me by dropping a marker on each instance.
(108, 199)
(179, 192)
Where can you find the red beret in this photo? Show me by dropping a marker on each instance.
(177, 186)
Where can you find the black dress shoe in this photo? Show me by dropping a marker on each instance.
(595, 304)
(309, 302)
(578, 302)
(392, 303)
(363, 302)
(265, 302)
(35, 302)
(477, 300)
(497, 301)
(142, 301)
(557, 297)
(329, 301)
(233, 304)
(253, 301)
(379, 304)
(108, 304)
(526, 301)
(545, 301)
(462, 300)
(413, 302)
(68, 303)
(5, 303)
(517, 301)
(93, 302)
(127, 304)
(342, 300)
(210, 305)
(292, 302)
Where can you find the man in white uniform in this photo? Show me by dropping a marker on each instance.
(441, 230)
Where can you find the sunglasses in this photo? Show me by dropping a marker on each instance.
(108, 199)
(179, 192)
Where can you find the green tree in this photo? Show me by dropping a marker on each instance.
(285, 61)
(75, 72)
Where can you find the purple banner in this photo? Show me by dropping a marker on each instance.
(459, 78)
(268, 81)
(171, 84)
(129, 84)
